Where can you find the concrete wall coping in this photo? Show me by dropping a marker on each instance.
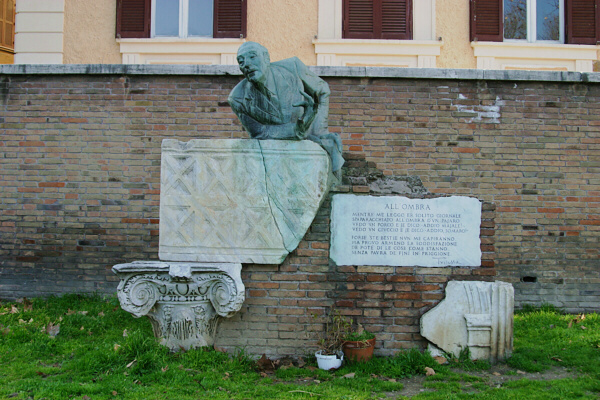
(341, 72)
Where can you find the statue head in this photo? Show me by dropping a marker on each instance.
(254, 61)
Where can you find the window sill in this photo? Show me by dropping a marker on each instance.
(378, 53)
(162, 50)
(535, 56)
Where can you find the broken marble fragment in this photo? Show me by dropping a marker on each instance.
(239, 200)
(477, 315)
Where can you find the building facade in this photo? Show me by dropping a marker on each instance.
(558, 35)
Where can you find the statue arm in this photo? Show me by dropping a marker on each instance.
(318, 89)
(254, 128)
(258, 130)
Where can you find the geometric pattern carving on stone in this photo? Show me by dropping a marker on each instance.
(294, 188)
(238, 200)
(182, 300)
(477, 315)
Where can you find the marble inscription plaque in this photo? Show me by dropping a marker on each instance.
(397, 231)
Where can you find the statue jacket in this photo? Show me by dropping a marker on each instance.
(270, 114)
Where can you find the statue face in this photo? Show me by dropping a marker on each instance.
(254, 64)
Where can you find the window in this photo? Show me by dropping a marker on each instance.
(377, 19)
(377, 33)
(181, 18)
(534, 20)
(559, 21)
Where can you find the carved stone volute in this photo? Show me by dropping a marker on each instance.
(183, 300)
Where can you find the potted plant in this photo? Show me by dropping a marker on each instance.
(358, 345)
(330, 355)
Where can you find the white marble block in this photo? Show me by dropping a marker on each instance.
(239, 200)
(477, 315)
(183, 300)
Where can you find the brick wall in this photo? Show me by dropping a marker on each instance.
(80, 160)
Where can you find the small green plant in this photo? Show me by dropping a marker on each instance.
(362, 338)
(359, 337)
(465, 361)
(337, 328)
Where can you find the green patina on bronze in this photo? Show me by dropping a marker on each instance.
(283, 100)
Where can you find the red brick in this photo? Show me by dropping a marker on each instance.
(426, 288)
(51, 184)
(265, 285)
(555, 210)
(29, 190)
(32, 143)
(407, 296)
(465, 150)
(257, 293)
(135, 220)
(402, 278)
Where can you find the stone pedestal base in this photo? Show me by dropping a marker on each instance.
(183, 300)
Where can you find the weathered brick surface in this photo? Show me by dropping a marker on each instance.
(80, 161)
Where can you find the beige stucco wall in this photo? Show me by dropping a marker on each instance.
(452, 24)
(285, 27)
(89, 32)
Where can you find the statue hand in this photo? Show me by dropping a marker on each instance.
(310, 112)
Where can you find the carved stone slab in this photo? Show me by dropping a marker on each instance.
(477, 315)
(183, 300)
(239, 200)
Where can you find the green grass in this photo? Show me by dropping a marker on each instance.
(91, 358)
(546, 338)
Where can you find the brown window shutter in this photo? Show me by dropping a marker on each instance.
(396, 19)
(7, 23)
(359, 19)
(133, 18)
(229, 18)
(377, 19)
(487, 20)
(583, 21)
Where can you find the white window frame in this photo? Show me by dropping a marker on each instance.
(532, 24)
(184, 8)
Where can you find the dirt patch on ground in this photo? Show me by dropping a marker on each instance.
(494, 377)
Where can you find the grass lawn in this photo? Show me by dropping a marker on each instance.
(78, 347)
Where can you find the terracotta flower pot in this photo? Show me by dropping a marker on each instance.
(360, 351)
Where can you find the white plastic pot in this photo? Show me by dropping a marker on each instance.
(329, 362)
